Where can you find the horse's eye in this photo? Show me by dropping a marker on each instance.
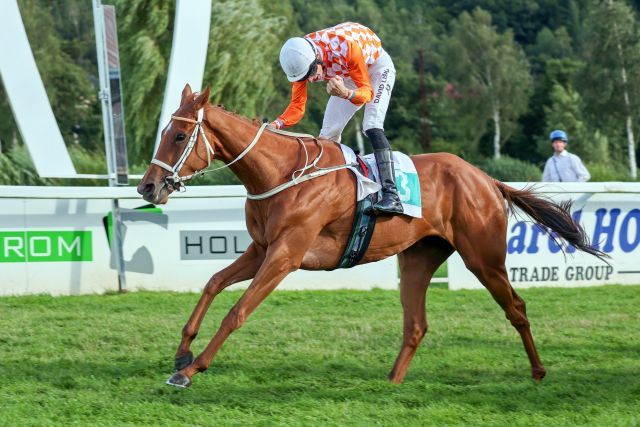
(180, 137)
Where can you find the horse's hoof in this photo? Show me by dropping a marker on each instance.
(179, 380)
(182, 362)
(538, 373)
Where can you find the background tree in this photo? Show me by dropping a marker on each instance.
(144, 35)
(9, 135)
(612, 52)
(416, 61)
(491, 72)
(240, 64)
(67, 82)
(577, 51)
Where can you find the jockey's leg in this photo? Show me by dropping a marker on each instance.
(390, 202)
(382, 74)
(337, 114)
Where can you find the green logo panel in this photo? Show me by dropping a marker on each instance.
(45, 246)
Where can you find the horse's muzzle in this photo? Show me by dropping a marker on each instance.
(156, 193)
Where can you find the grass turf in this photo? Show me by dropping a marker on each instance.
(321, 358)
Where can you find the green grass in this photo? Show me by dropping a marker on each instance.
(321, 358)
(442, 271)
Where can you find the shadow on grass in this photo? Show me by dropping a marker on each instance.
(489, 389)
(265, 383)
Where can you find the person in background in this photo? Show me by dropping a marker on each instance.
(563, 166)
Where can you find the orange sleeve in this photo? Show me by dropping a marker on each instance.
(295, 111)
(359, 74)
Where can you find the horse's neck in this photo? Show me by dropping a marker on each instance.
(269, 162)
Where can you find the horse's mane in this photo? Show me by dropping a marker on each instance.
(256, 121)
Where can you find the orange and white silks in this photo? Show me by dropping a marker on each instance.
(347, 50)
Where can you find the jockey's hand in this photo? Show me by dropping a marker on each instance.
(337, 88)
(276, 124)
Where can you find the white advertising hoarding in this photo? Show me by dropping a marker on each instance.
(55, 240)
(610, 215)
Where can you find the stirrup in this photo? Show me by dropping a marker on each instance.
(390, 204)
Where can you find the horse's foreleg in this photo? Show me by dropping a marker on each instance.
(417, 265)
(279, 261)
(243, 268)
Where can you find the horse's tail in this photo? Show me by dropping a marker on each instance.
(555, 216)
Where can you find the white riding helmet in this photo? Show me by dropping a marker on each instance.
(296, 56)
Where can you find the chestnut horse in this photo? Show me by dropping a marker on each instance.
(307, 225)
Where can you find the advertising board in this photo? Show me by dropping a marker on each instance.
(609, 214)
(56, 240)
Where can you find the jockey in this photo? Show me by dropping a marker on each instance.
(359, 72)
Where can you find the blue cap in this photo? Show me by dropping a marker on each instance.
(558, 134)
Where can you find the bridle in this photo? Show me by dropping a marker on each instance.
(176, 182)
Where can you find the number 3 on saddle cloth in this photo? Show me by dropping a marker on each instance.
(368, 192)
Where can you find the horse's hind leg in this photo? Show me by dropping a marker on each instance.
(487, 263)
(417, 265)
(537, 369)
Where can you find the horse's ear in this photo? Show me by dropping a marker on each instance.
(202, 98)
(185, 93)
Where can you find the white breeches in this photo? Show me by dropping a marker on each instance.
(382, 75)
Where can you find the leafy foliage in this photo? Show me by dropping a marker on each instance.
(240, 64)
(16, 168)
(145, 42)
(612, 73)
(475, 82)
(607, 172)
(507, 168)
(67, 81)
(490, 74)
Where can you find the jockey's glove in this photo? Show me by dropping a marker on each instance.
(277, 124)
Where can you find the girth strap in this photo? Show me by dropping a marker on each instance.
(364, 223)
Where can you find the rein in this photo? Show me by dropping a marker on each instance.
(176, 182)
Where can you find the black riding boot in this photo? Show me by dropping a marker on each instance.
(390, 203)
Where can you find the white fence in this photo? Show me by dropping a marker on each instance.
(54, 240)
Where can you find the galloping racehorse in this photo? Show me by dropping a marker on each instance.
(307, 225)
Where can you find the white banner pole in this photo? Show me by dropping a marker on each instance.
(188, 55)
(28, 98)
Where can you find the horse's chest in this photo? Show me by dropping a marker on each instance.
(256, 229)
